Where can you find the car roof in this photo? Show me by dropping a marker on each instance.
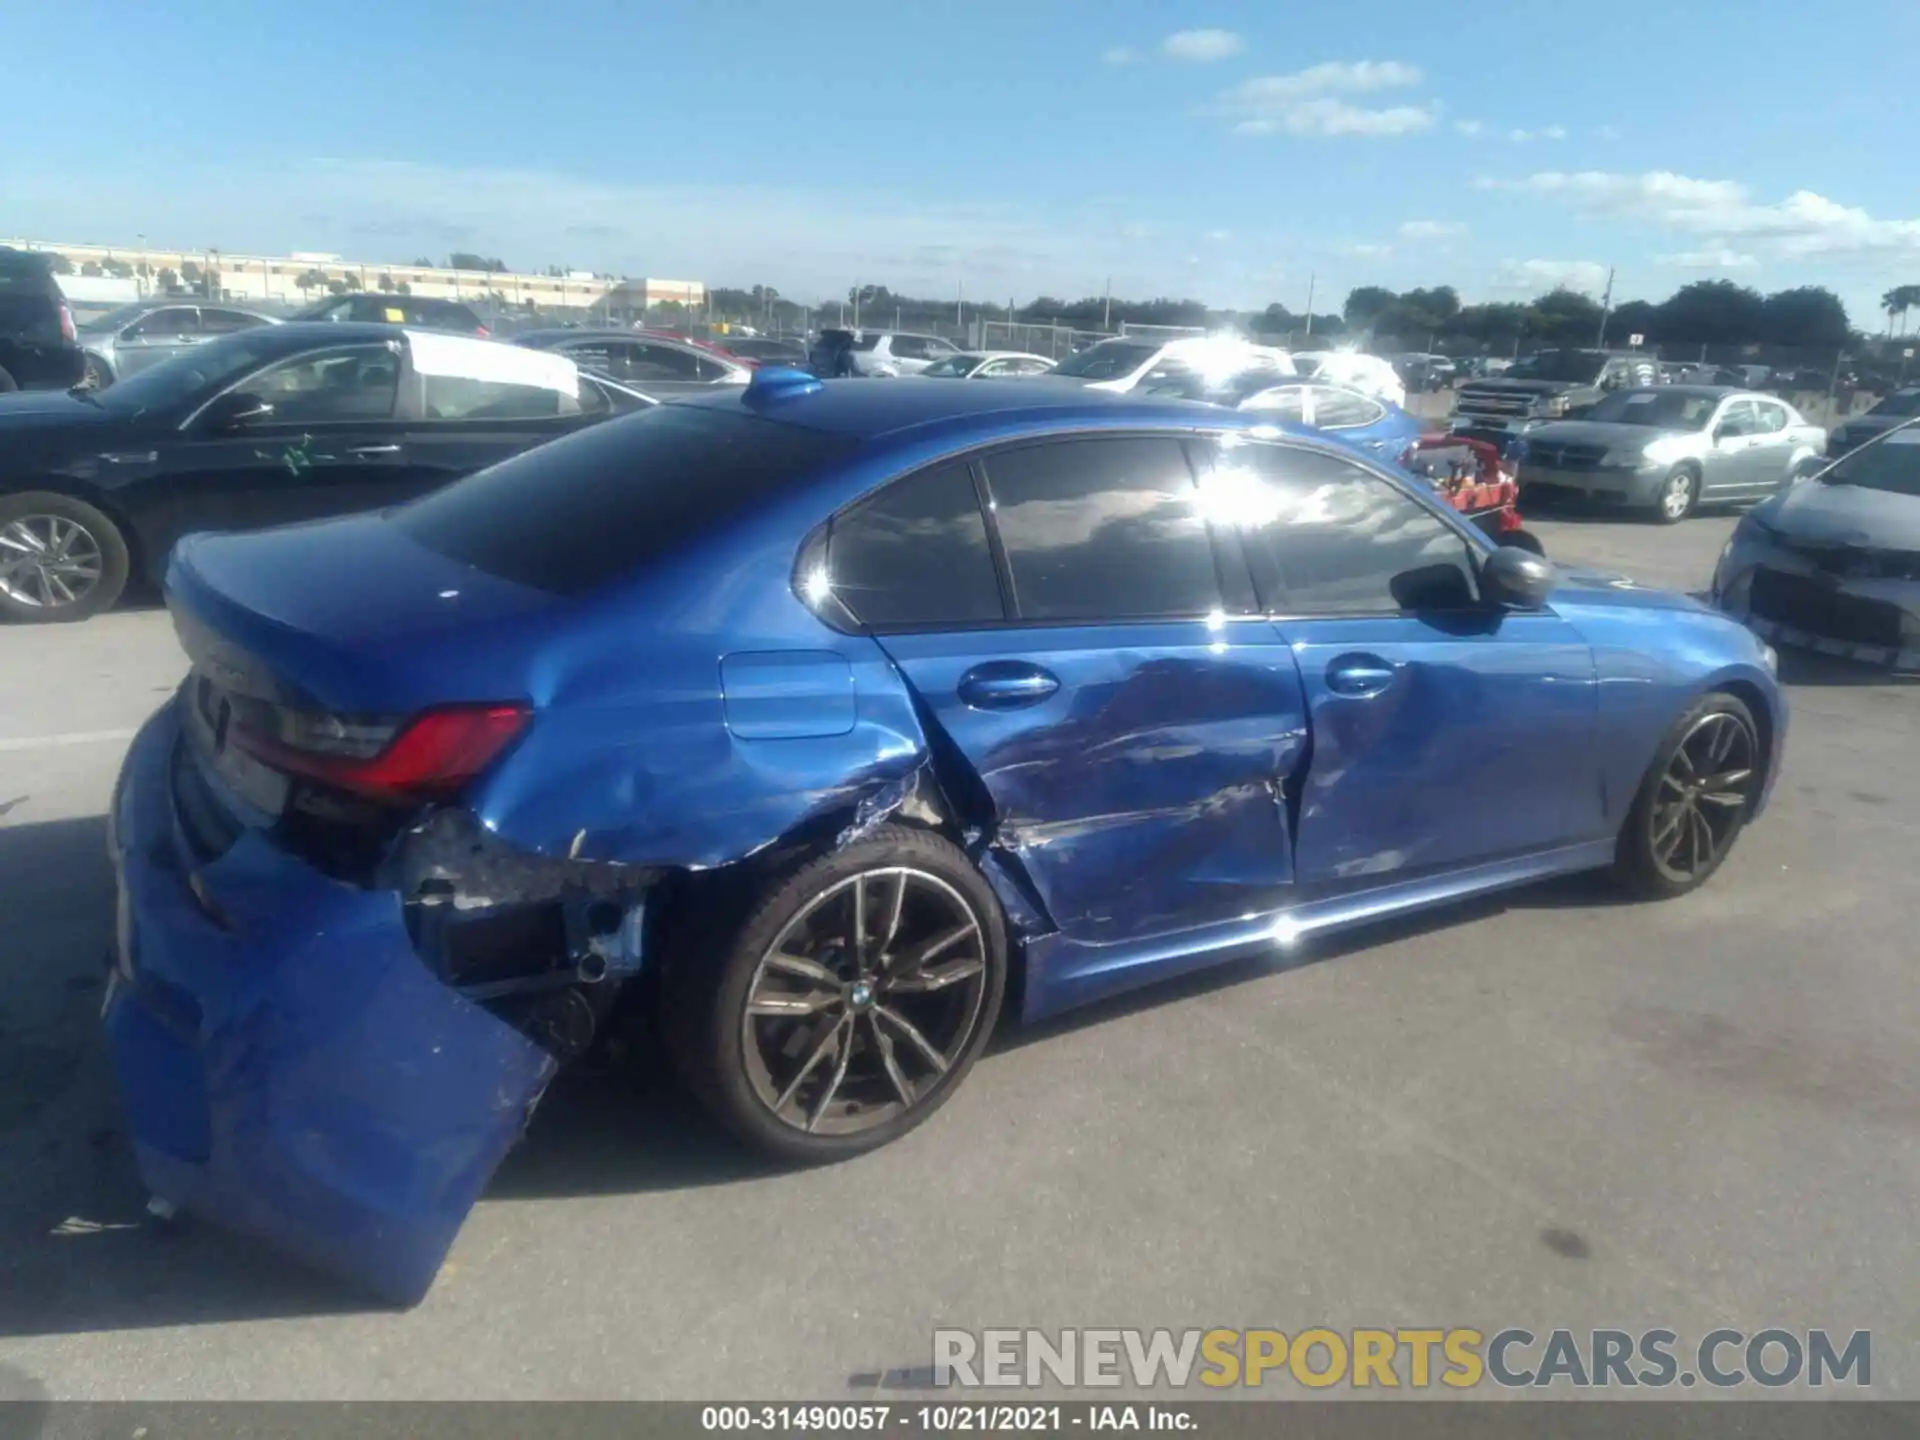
(866, 409)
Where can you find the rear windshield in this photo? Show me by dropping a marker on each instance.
(568, 517)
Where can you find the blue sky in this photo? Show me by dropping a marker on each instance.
(1222, 150)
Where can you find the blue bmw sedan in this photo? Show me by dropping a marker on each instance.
(817, 725)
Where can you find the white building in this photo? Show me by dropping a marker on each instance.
(304, 276)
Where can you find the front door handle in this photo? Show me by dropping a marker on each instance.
(1360, 675)
(1006, 685)
(364, 452)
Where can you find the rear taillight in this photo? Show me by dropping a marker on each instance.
(484, 333)
(433, 755)
(67, 331)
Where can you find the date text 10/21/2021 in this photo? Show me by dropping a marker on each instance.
(983, 1418)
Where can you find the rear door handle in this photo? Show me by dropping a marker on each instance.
(364, 452)
(1360, 675)
(1006, 685)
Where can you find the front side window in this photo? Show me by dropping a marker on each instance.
(1736, 420)
(908, 347)
(916, 554)
(1099, 530)
(355, 383)
(174, 320)
(1339, 540)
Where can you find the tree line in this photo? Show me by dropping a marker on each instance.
(1706, 312)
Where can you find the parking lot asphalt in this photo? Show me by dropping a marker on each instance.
(1549, 1110)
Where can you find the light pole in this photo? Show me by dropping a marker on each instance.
(140, 275)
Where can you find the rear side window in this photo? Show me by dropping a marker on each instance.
(455, 397)
(1103, 530)
(571, 516)
(1336, 539)
(1343, 410)
(916, 554)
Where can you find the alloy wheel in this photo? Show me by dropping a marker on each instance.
(49, 561)
(1677, 498)
(865, 1001)
(1703, 796)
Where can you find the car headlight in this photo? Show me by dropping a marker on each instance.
(1770, 658)
(1554, 405)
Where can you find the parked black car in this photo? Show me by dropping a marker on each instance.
(376, 309)
(37, 346)
(661, 368)
(278, 424)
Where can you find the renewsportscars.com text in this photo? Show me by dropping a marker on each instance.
(1458, 1359)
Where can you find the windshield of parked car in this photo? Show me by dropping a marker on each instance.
(1659, 409)
(1901, 402)
(1107, 360)
(199, 371)
(1892, 464)
(954, 366)
(568, 517)
(1576, 367)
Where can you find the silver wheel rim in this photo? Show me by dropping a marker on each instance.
(1703, 796)
(49, 561)
(1678, 494)
(865, 1002)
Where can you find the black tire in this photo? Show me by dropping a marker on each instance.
(1675, 503)
(710, 981)
(6, 382)
(96, 374)
(1641, 862)
(22, 600)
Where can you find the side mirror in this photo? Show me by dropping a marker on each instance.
(1516, 579)
(236, 410)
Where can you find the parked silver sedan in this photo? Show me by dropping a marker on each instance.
(1669, 449)
(1832, 564)
(126, 341)
(987, 365)
(657, 366)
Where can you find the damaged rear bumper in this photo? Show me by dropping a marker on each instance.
(290, 1067)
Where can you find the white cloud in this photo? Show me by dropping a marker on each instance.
(1470, 127)
(1307, 102)
(1589, 277)
(1519, 137)
(1607, 132)
(1431, 229)
(1554, 132)
(1219, 236)
(1369, 252)
(1721, 258)
(1120, 55)
(1803, 224)
(1202, 46)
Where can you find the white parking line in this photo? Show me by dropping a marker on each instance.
(78, 737)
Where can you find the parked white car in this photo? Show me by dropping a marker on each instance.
(1128, 362)
(897, 352)
(1368, 374)
(987, 365)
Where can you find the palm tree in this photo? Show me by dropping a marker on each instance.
(1897, 302)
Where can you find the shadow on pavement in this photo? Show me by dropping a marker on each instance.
(78, 1253)
(1804, 667)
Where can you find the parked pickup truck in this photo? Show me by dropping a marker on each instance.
(1547, 385)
